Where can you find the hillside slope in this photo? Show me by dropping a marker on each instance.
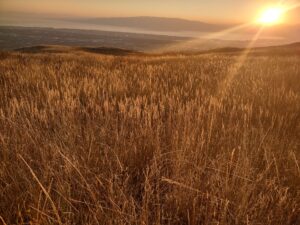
(139, 139)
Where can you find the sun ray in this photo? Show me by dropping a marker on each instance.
(203, 39)
(234, 70)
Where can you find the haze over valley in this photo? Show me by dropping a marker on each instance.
(136, 33)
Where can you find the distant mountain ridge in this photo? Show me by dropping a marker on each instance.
(154, 23)
(188, 28)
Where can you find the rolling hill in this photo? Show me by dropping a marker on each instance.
(290, 49)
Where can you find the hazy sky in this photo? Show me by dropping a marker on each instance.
(206, 10)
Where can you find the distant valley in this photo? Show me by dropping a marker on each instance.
(12, 37)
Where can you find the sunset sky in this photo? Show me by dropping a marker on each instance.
(220, 11)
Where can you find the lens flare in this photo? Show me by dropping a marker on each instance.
(271, 16)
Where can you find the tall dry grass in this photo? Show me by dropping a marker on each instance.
(88, 139)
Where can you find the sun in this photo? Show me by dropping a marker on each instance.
(271, 16)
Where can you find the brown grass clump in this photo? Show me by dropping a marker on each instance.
(91, 139)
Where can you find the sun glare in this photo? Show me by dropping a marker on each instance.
(271, 16)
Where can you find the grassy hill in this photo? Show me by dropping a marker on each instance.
(280, 50)
(128, 138)
(45, 49)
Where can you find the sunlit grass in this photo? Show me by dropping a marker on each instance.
(91, 139)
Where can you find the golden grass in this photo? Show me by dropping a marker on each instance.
(91, 139)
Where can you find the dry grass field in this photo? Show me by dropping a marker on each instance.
(177, 139)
